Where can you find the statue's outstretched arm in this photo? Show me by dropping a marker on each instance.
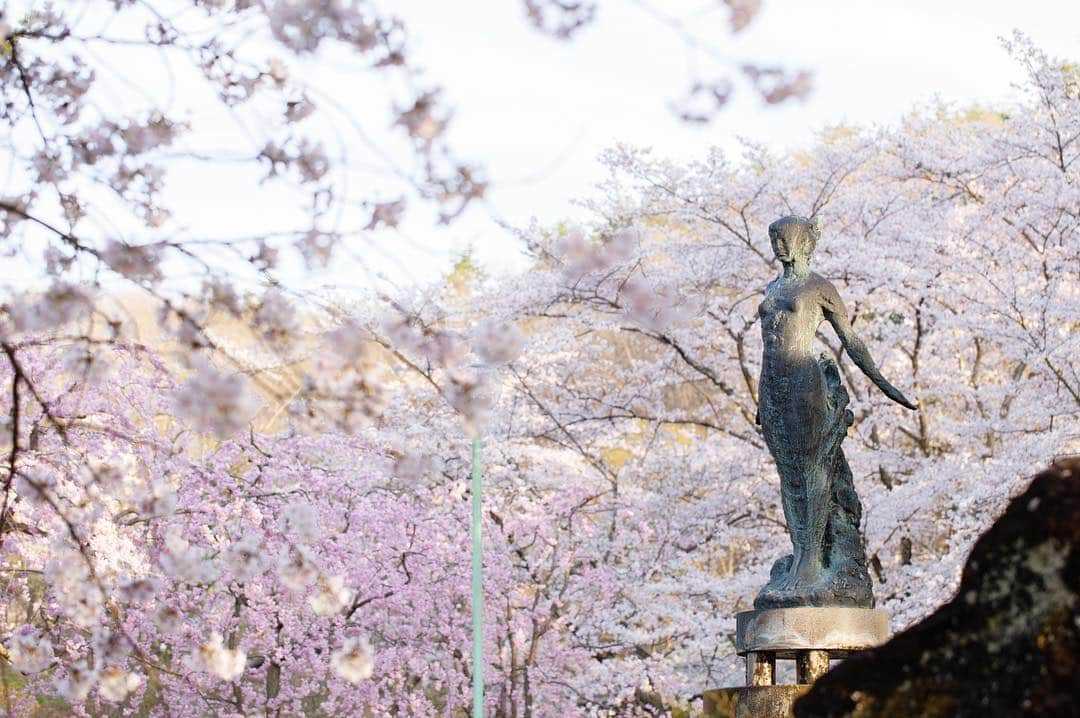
(836, 313)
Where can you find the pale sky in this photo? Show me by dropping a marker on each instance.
(535, 112)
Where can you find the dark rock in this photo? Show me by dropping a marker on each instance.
(1008, 643)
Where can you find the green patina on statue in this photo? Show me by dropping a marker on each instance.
(803, 414)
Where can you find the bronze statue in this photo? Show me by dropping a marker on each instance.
(803, 414)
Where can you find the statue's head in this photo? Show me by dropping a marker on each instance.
(794, 237)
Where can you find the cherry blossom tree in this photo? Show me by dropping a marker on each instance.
(178, 537)
(157, 568)
(955, 241)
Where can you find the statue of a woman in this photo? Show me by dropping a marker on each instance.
(803, 414)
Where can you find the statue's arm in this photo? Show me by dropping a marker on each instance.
(836, 313)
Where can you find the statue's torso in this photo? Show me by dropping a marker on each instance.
(790, 315)
(791, 391)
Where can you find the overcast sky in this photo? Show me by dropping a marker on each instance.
(536, 111)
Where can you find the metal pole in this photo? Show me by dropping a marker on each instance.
(477, 588)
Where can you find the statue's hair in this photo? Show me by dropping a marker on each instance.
(800, 227)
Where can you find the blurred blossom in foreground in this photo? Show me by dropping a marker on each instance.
(215, 402)
(213, 657)
(29, 650)
(116, 684)
(498, 342)
(354, 661)
(330, 596)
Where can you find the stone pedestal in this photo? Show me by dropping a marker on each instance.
(752, 701)
(809, 636)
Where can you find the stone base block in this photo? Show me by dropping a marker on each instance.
(752, 701)
(785, 631)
